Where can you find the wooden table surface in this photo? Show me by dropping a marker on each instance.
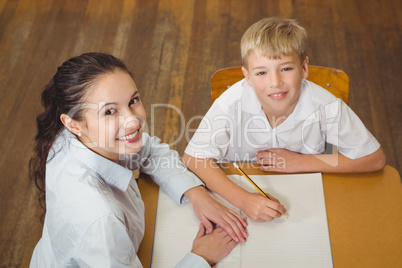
(364, 216)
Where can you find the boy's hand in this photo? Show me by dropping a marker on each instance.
(213, 246)
(260, 208)
(209, 210)
(281, 160)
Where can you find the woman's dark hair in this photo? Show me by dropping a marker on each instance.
(65, 92)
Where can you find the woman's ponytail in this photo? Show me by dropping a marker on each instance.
(62, 95)
(49, 126)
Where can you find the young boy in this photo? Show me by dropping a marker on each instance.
(276, 117)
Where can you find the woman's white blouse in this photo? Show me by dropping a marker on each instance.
(94, 211)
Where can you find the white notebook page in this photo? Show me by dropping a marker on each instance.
(302, 240)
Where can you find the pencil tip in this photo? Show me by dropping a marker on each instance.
(235, 165)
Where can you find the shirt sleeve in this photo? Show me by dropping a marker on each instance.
(192, 260)
(106, 243)
(345, 130)
(212, 138)
(165, 168)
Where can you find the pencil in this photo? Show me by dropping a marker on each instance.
(254, 184)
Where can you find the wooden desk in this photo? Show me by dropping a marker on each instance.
(364, 216)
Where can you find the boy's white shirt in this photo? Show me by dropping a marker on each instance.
(235, 127)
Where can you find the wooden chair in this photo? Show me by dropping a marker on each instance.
(334, 80)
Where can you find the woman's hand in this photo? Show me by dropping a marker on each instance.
(209, 210)
(213, 246)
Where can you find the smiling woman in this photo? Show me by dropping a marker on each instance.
(113, 128)
(89, 137)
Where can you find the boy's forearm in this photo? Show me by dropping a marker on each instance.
(215, 179)
(338, 163)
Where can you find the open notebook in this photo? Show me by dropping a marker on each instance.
(302, 240)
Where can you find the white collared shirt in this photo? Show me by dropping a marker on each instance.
(94, 211)
(235, 128)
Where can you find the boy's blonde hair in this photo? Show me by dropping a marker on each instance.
(273, 37)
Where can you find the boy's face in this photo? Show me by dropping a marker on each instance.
(277, 82)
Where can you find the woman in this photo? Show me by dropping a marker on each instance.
(90, 136)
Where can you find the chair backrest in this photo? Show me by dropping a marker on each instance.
(334, 80)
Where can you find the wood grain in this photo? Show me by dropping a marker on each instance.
(173, 48)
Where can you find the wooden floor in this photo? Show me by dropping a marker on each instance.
(173, 47)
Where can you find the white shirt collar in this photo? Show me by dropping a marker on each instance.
(113, 174)
(305, 106)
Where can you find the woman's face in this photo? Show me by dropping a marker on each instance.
(114, 118)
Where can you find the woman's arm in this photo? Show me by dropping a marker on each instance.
(255, 206)
(169, 172)
(209, 210)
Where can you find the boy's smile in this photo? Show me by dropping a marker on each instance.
(278, 96)
(277, 82)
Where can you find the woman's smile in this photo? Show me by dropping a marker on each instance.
(130, 138)
(116, 127)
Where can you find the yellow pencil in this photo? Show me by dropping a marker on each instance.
(255, 185)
